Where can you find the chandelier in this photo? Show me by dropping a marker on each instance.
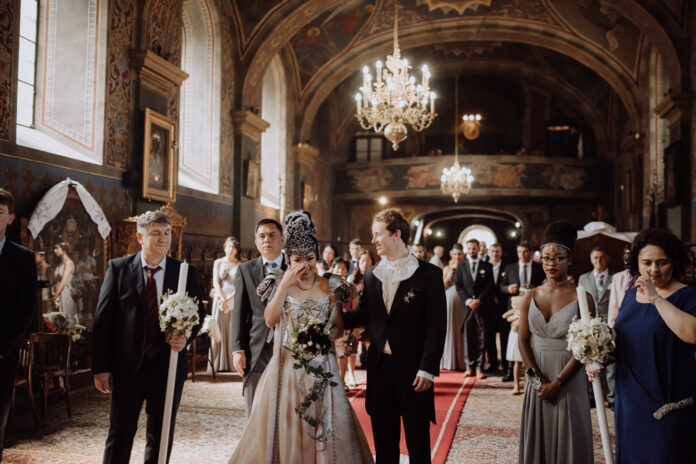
(393, 99)
(456, 180)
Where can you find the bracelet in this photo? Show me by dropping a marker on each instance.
(655, 298)
(560, 382)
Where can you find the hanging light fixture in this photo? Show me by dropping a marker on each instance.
(456, 180)
(393, 99)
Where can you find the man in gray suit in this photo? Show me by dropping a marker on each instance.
(598, 283)
(252, 340)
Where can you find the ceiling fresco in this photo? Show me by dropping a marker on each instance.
(250, 13)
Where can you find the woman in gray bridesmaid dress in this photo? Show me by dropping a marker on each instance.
(556, 425)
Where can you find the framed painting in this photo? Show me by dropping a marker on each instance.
(159, 159)
(252, 180)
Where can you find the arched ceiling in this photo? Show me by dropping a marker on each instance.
(565, 41)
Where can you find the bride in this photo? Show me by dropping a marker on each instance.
(300, 412)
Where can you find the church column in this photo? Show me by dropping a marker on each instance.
(246, 184)
(313, 182)
(678, 199)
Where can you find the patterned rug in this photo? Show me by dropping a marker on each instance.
(211, 419)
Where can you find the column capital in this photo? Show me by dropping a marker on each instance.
(249, 124)
(675, 107)
(156, 73)
(305, 154)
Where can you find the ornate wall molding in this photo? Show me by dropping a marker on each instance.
(156, 73)
(249, 124)
(7, 40)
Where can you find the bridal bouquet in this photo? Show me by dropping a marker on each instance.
(178, 313)
(591, 341)
(311, 338)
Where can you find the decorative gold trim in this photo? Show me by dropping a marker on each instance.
(247, 123)
(150, 192)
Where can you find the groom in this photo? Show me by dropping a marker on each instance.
(403, 306)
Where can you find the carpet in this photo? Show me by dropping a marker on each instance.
(451, 392)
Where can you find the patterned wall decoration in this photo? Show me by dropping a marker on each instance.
(205, 217)
(29, 181)
(500, 172)
(226, 107)
(162, 25)
(6, 35)
(249, 15)
(120, 88)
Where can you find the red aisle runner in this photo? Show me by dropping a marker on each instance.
(451, 392)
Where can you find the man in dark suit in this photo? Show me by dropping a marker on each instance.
(495, 324)
(474, 282)
(252, 340)
(355, 248)
(525, 274)
(130, 352)
(18, 295)
(403, 306)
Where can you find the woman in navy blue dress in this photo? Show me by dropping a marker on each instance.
(655, 363)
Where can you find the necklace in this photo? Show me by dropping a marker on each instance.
(310, 287)
(557, 284)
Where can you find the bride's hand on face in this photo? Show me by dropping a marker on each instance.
(293, 273)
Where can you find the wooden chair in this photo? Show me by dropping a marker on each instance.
(52, 362)
(23, 379)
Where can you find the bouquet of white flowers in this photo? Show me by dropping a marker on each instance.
(178, 313)
(590, 340)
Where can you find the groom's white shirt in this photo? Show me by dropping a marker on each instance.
(391, 274)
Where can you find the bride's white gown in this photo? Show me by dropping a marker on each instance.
(275, 433)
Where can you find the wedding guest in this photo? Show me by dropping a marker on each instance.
(556, 425)
(339, 267)
(346, 345)
(474, 282)
(355, 248)
(483, 251)
(453, 355)
(365, 262)
(18, 293)
(63, 274)
(327, 257)
(438, 253)
(655, 367)
(621, 282)
(224, 275)
(252, 341)
(130, 352)
(419, 251)
(494, 322)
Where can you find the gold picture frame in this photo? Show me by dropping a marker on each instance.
(159, 160)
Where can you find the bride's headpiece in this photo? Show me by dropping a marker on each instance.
(300, 234)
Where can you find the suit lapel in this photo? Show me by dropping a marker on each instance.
(138, 277)
(171, 276)
(257, 273)
(404, 286)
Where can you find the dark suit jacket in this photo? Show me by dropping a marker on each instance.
(120, 320)
(478, 287)
(18, 294)
(499, 299)
(512, 276)
(415, 327)
(249, 329)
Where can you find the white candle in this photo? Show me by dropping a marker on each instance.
(183, 275)
(582, 302)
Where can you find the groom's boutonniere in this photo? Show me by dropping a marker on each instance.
(410, 295)
(482, 272)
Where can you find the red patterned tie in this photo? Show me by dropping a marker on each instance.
(152, 341)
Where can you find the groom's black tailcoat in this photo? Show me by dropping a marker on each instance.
(415, 328)
(119, 338)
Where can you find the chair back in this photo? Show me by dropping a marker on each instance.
(51, 352)
(26, 361)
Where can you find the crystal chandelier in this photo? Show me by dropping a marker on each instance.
(456, 180)
(393, 99)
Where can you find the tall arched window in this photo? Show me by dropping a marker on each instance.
(61, 77)
(273, 140)
(199, 121)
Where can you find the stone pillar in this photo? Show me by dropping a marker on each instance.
(313, 183)
(676, 109)
(248, 128)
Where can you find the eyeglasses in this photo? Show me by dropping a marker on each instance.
(554, 260)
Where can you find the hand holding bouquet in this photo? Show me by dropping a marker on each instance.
(178, 313)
